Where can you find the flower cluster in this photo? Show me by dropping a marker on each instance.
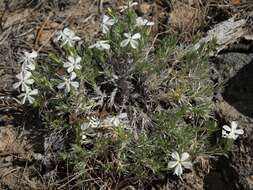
(25, 77)
(130, 38)
(73, 63)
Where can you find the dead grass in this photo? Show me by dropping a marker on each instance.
(187, 17)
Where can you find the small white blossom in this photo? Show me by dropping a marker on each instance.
(231, 132)
(68, 82)
(131, 39)
(24, 80)
(180, 162)
(118, 120)
(67, 36)
(106, 23)
(143, 22)
(94, 122)
(28, 60)
(27, 95)
(101, 45)
(129, 5)
(73, 63)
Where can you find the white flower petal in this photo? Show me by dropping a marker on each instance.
(70, 69)
(185, 156)
(239, 131)
(72, 76)
(105, 46)
(92, 46)
(76, 38)
(110, 22)
(134, 44)
(176, 156)
(105, 29)
(30, 99)
(16, 85)
(105, 18)
(124, 43)
(61, 85)
(34, 92)
(29, 81)
(178, 170)
(66, 64)
(67, 89)
(30, 66)
(234, 124)
(150, 23)
(133, 4)
(75, 84)
(136, 36)
(78, 67)
(27, 74)
(127, 35)
(78, 59)
(34, 54)
(187, 164)
(71, 59)
(172, 164)
(227, 128)
(23, 100)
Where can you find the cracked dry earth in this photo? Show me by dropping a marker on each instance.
(24, 160)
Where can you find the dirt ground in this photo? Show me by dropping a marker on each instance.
(27, 150)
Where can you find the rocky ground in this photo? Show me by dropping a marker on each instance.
(26, 149)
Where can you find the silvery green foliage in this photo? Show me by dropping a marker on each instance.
(128, 99)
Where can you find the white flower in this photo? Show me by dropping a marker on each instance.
(143, 22)
(28, 60)
(94, 122)
(67, 36)
(106, 23)
(180, 163)
(129, 5)
(24, 80)
(233, 132)
(27, 95)
(73, 63)
(120, 120)
(87, 128)
(101, 45)
(113, 121)
(131, 39)
(68, 82)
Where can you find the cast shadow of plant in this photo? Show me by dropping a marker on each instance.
(238, 91)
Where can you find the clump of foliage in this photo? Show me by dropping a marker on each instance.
(133, 103)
